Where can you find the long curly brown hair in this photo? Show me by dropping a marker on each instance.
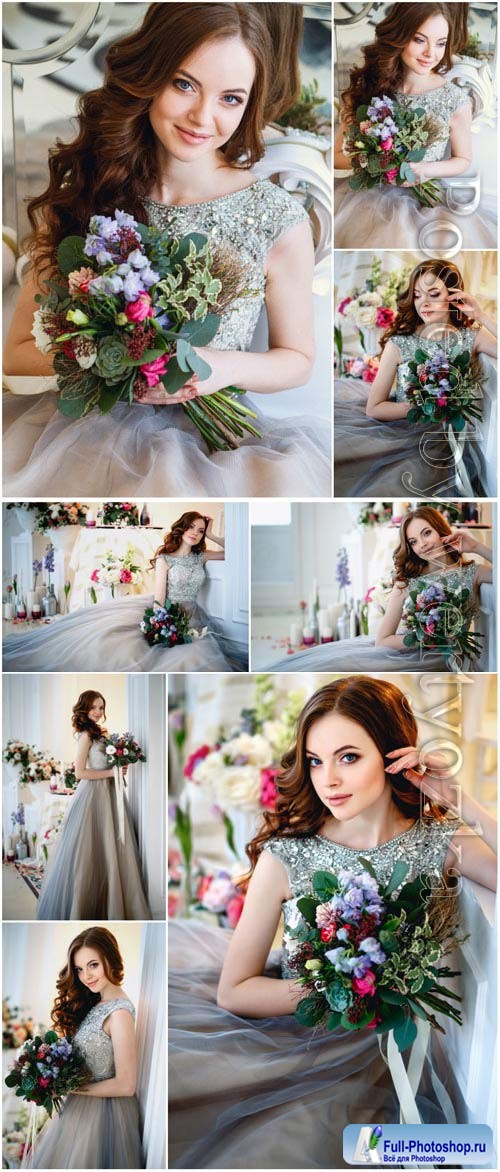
(384, 713)
(382, 71)
(173, 539)
(74, 1000)
(285, 22)
(113, 160)
(81, 720)
(407, 320)
(407, 564)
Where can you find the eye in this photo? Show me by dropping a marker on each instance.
(232, 99)
(182, 84)
(314, 762)
(349, 758)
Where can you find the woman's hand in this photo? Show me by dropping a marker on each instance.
(209, 521)
(158, 397)
(466, 302)
(461, 541)
(419, 171)
(429, 772)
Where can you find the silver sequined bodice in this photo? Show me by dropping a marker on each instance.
(440, 104)
(246, 223)
(407, 344)
(97, 758)
(423, 847)
(93, 1043)
(186, 576)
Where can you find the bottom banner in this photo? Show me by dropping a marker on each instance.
(469, 1145)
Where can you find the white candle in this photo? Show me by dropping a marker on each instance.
(295, 635)
(308, 633)
(323, 618)
(326, 633)
(7, 610)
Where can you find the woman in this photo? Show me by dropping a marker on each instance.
(409, 62)
(171, 138)
(99, 1124)
(353, 783)
(95, 869)
(376, 449)
(428, 550)
(108, 636)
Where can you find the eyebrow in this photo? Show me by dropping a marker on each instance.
(335, 751)
(231, 90)
(428, 288)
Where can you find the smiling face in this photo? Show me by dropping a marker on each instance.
(423, 539)
(430, 298)
(427, 46)
(195, 532)
(89, 969)
(200, 108)
(96, 712)
(345, 766)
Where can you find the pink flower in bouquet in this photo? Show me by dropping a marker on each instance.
(94, 577)
(234, 909)
(430, 627)
(78, 281)
(152, 371)
(43, 1081)
(137, 311)
(327, 934)
(369, 375)
(370, 1025)
(342, 307)
(268, 791)
(387, 144)
(355, 367)
(218, 894)
(441, 400)
(391, 175)
(365, 985)
(385, 316)
(192, 761)
(125, 576)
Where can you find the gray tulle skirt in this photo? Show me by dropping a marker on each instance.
(155, 451)
(92, 875)
(92, 1133)
(107, 637)
(391, 217)
(263, 1093)
(361, 654)
(397, 458)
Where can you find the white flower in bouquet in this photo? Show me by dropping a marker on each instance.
(273, 731)
(43, 341)
(255, 748)
(238, 785)
(206, 771)
(370, 298)
(110, 750)
(366, 315)
(216, 896)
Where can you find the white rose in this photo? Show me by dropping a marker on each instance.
(256, 748)
(351, 308)
(110, 750)
(370, 299)
(208, 769)
(42, 340)
(366, 316)
(239, 785)
(125, 752)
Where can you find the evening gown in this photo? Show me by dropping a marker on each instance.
(391, 217)
(361, 654)
(92, 874)
(397, 458)
(94, 1133)
(274, 1093)
(144, 450)
(107, 637)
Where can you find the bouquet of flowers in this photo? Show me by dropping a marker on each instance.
(166, 626)
(120, 513)
(368, 957)
(123, 749)
(242, 767)
(385, 138)
(69, 778)
(58, 513)
(16, 1028)
(46, 1070)
(128, 307)
(19, 753)
(438, 617)
(442, 388)
(375, 513)
(220, 894)
(39, 770)
(114, 571)
(364, 368)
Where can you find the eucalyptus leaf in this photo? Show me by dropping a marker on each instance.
(405, 1034)
(307, 907)
(200, 333)
(70, 254)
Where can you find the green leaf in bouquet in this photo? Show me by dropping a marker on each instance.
(13, 1078)
(391, 1019)
(416, 155)
(307, 907)
(420, 356)
(109, 396)
(388, 941)
(410, 640)
(413, 415)
(338, 997)
(333, 1021)
(406, 173)
(429, 407)
(197, 239)
(200, 333)
(356, 182)
(310, 1011)
(51, 1036)
(361, 113)
(363, 1021)
(374, 166)
(405, 1034)
(417, 1008)
(71, 255)
(391, 996)
(28, 1084)
(324, 885)
(368, 866)
(182, 350)
(200, 311)
(174, 378)
(48, 1104)
(458, 422)
(148, 356)
(399, 871)
(199, 366)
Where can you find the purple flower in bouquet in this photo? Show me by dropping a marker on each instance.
(343, 573)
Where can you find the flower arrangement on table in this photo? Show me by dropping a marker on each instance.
(190, 887)
(113, 571)
(58, 513)
(16, 1029)
(242, 767)
(375, 513)
(218, 892)
(372, 307)
(385, 138)
(442, 388)
(128, 308)
(41, 769)
(46, 1070)
(438, 617)
(19, 753)
(120, 513)
(367, 953)
(15, 1132)
(363, 368)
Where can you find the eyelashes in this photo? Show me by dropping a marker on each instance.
(184, 86)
